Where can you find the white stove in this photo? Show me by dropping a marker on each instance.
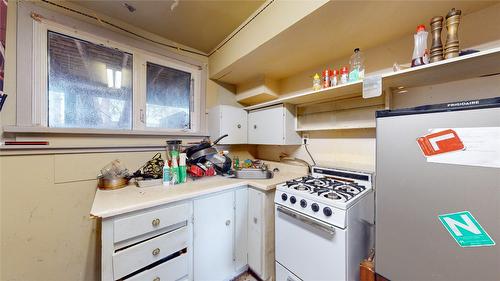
(326, 218)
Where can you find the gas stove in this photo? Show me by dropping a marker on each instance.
(326, 194)
(323, 225)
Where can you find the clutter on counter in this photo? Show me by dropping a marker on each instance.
(113, 176)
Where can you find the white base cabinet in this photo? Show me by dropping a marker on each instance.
(261, 233)
(209, 238)
(220, 235)
(151, 244)
(214, 237)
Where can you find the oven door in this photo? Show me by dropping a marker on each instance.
(310, 249)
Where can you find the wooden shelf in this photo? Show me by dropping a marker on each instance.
(480, 64)
(345, 90)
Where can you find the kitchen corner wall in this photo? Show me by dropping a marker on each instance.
(46, 232)
(355, 149)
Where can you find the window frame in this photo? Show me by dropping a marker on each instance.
(140, 57)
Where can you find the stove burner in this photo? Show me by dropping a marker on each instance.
(326, 187)
(332, 195)
(301, 188)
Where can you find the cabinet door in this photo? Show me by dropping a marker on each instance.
(213, 237)
(241, 228)
(265, 126)
(234, 123)
(255, 228)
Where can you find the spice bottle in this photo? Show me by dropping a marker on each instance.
(344, 75)
(316, 82)
(326, 77)
(420, 49)
(335, 78)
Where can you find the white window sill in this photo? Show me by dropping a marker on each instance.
(109, 132)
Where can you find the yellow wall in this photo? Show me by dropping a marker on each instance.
(46, 232)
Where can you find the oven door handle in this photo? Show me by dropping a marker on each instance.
(310, 221)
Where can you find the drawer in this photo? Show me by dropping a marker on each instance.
(143, 254)
(136, 225)
(172, 270)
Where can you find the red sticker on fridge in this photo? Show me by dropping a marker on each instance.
(440, 142)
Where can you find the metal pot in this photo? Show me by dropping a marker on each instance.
(112, 182)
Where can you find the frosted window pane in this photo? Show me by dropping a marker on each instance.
(168, 97)
(90, 86)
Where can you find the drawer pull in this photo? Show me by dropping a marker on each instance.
(239, 126)
(156, 251)
(228, 222)
(156, 222)
(255, 220)
(156, 279)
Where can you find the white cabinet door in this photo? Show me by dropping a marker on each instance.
(255, 230)
(234, 123)
(265, 126)
(231, 120)
(213, 237)
(241, 228)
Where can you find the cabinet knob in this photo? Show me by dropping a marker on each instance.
(156, 279)
(255, 126)
(155, 222)
(228, 222)
(254, 220)
(156, 251)
(239, 126)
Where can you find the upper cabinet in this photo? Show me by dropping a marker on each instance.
(270, 125)
(273, 125)
(231, 120)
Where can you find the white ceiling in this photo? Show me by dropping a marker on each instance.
(199, 24)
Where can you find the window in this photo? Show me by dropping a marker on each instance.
(168, 97)
(84, 81)
(89, 85)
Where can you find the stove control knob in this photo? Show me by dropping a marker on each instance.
(315, 207)
(327, 211)
(303, 203)
(284, 196)
(293, 200)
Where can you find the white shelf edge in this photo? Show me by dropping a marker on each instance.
(440, 63)
(384, 76)
(290, 98)
(335, 128)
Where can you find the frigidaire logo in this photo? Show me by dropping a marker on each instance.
(464, 103)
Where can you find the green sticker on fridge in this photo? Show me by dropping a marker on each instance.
(466, 230)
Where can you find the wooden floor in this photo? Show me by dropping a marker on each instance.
(245, 277)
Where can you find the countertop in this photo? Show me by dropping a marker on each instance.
(108, 203)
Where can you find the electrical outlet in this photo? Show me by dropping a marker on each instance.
(305, 138)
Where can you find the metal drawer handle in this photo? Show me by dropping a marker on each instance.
(312, 222)
(156, 279)
(239, 126)
(228, 222)
(156, 251)
(155, 222)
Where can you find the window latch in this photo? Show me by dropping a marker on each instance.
(141, 115)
